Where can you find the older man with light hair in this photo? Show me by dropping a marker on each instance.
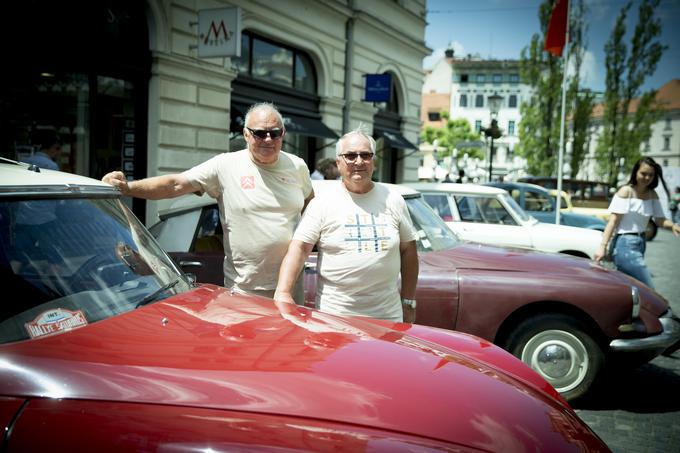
(261, 192)
(365, 239)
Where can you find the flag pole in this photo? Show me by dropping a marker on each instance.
(560, 153)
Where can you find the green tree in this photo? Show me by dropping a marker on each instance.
(451, 135)
(539, 129)
(627, 124)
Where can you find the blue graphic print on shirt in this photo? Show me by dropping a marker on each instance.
(369, 231)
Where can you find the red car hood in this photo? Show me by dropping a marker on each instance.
(210, 349)
(473, 256)
(469, 255)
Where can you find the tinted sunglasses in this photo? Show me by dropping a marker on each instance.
(261, 134)
(352, 157)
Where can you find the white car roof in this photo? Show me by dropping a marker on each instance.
(17, 174)
(452, 187)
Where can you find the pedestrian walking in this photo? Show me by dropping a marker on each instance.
(630, 210)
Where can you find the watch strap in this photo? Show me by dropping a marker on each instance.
(410, 302)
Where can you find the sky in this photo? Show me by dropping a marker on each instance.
(500, 29)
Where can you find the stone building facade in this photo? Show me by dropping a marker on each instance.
(122, 83)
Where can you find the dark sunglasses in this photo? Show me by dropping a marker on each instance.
(352, 157)
(261, 134)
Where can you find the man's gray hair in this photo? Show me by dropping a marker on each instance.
(264, 106)
(361, 131)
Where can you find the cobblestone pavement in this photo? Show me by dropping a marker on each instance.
(638, 410)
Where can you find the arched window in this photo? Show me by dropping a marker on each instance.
(274, 62)
(479, 100)
(463, 100)
(393, 105)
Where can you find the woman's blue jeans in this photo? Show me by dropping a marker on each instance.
(629, 257)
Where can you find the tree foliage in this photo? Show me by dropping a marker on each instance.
(452, 135)
(539, 129)
(628, 112)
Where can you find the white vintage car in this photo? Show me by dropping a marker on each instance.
(489, 215)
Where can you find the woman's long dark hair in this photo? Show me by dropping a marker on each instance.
(658, 174)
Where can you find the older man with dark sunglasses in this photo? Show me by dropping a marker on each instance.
(365, 239)
(261, 192)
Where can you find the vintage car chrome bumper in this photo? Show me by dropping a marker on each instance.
(654, 344)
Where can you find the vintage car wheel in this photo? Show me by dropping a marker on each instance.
(558, 348)
(650, 232)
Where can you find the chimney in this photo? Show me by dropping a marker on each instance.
(448, 53)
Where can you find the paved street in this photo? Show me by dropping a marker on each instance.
(639, 410)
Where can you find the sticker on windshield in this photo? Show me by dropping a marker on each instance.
(55, 320)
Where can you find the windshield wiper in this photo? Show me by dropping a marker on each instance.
(155, 295)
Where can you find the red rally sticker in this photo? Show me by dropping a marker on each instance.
(55, 320)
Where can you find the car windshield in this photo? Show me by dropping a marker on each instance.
(433, 234)
(74, 261)
(519, 212)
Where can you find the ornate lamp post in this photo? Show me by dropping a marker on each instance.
(493, 131)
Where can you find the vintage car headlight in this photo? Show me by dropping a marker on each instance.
(635, 295)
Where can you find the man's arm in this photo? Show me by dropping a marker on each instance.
(153, 188)
(409, 276)
(291, 266)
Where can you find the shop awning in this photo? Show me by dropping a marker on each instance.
(396, 140)
(307, 126)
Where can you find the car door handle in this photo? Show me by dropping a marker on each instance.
(191, 263)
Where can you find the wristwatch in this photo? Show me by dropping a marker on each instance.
(410, 302)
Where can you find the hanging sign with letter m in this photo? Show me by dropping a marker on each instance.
(219, 32)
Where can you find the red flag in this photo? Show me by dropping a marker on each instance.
(556, 36)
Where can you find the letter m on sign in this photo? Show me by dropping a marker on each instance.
(219, 32)
(214, 33)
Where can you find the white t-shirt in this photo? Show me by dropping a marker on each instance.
(260, 206)
(636, 213)
(358, 238)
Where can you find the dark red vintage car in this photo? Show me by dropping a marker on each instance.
(106, 346)
(564, 316)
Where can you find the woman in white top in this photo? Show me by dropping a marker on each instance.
(631, 208)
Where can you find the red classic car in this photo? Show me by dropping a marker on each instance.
(106, 346)
(564, 316)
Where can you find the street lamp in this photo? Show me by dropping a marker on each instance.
(493, 131)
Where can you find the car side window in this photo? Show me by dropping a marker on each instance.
(440, 204)
(209, 232)
(494, 212)
(468, 209)
(515, 193)
(536, 202)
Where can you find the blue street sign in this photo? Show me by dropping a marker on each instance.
(378, 87)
